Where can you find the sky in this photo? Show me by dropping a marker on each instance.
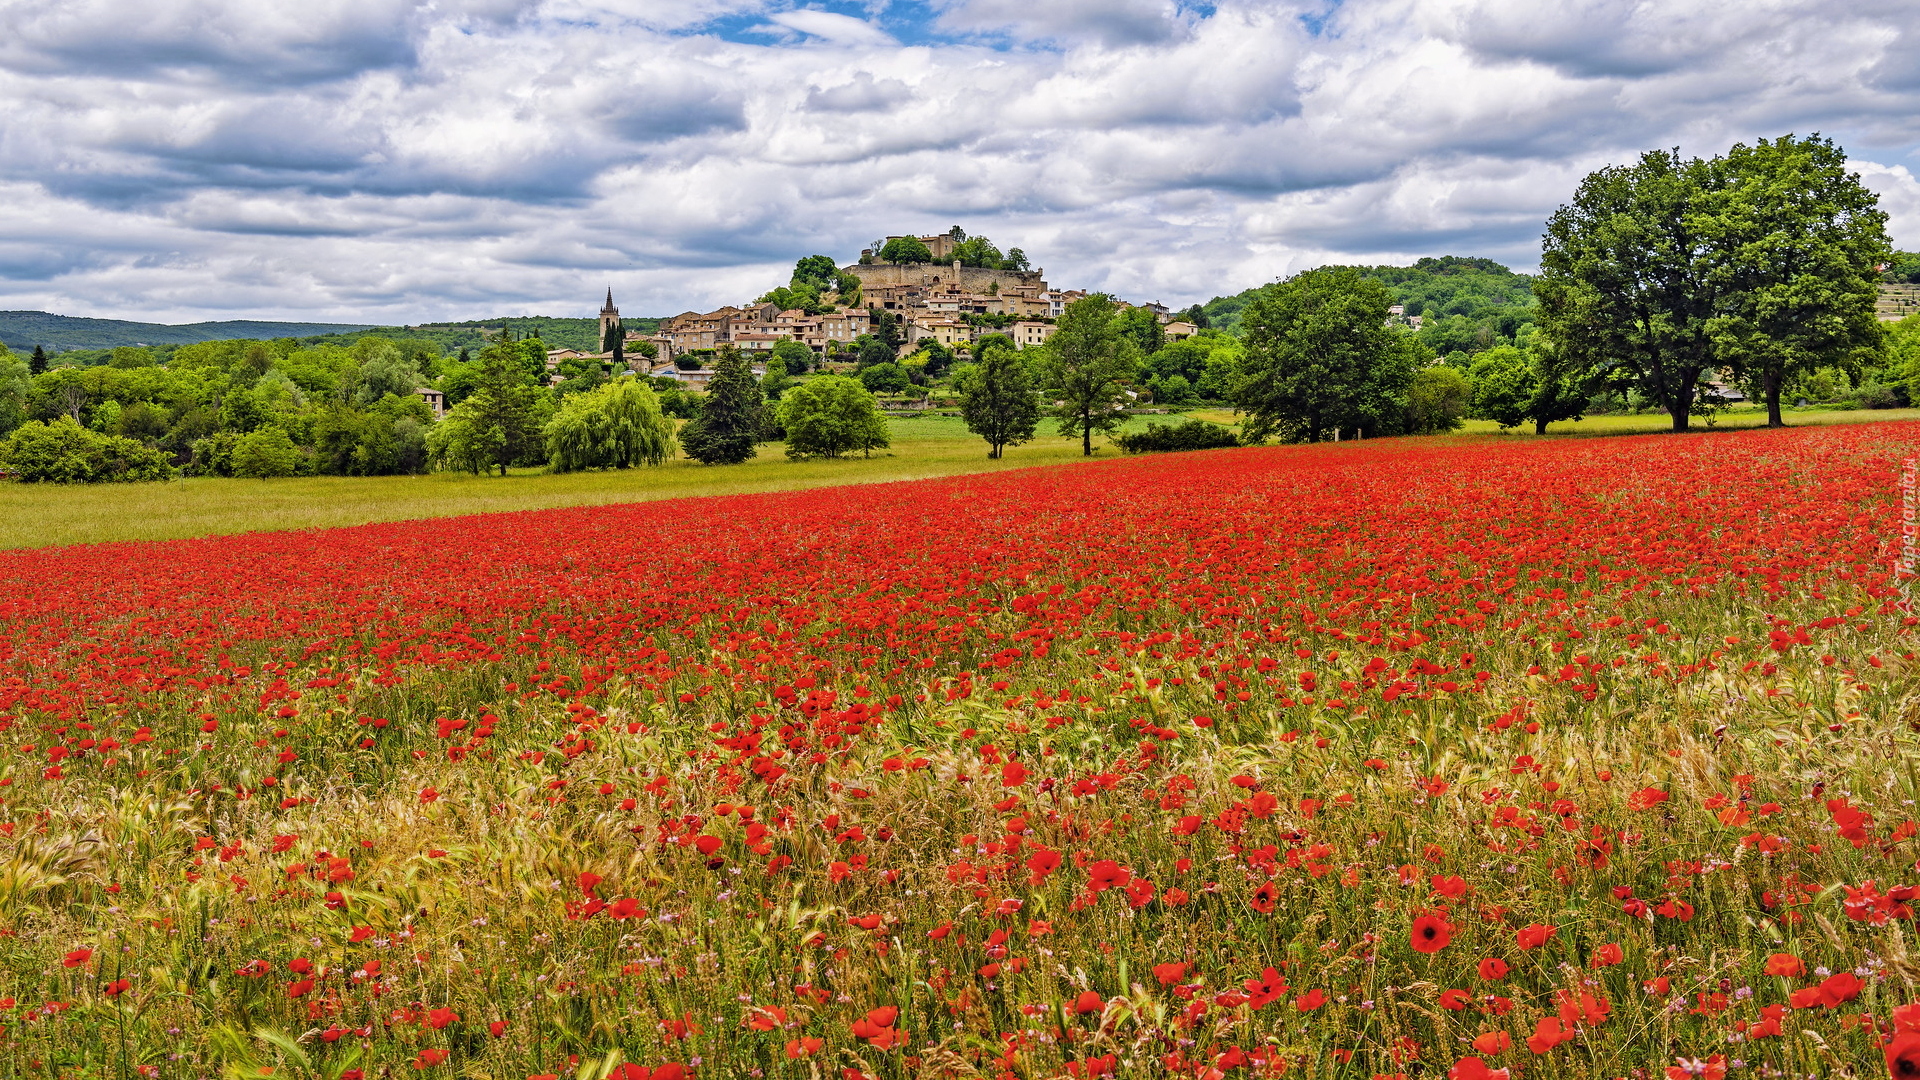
(384, 161)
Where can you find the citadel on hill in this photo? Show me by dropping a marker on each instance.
(923, 283)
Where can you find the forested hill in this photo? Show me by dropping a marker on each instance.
(26, 329)
(583, 334)
(23, 330)
(1465, 304)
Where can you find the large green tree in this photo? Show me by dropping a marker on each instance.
(1797, 242)
(1628, 291)
(731, 414)
(831, 416)
(1318, 356)
(1088, 366)
(998, 399)
(615, 426)
(499, 422)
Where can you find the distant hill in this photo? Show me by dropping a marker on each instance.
(25, 329)
(1467, 304)
(61, 333)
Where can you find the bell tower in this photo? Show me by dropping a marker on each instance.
(609, 321)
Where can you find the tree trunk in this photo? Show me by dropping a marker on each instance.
(1679, 407)
(1539, 427)
(1770, 380)
(1086, 437)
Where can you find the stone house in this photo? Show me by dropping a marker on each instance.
(1028, 333)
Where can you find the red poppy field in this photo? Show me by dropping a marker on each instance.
(1448, 758)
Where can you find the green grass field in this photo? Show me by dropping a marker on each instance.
(40, 515)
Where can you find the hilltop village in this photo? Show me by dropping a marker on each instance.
(907, 291)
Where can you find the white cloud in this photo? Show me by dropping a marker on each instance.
(405, 159)
(838, 29)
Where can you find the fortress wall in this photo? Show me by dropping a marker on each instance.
(972, 278)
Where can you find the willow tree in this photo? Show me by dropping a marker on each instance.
(615, 426)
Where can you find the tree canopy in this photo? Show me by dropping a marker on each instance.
(906, 249)
(1089, 363)
(731, 415)
(1760, 263)
(615, 426)
(1797, 243)
(831, 416)
(1319, 356)
(998, 398)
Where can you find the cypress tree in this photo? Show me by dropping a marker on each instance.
(38, 365)
(731, 416)
(615, 342)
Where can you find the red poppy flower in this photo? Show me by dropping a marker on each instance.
(76, 958)
(1840, 988)
(1431, 933)
(1493, 969)
(1903, 1056)
(1473, 1068)
(1107, 874)
(1534, 936)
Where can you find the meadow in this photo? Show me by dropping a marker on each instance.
(34, 515)
(1470, 758)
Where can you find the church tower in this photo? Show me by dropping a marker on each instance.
(609, 321)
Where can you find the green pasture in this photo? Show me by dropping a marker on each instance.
(39, 515)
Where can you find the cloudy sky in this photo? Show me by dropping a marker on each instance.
(400, 161)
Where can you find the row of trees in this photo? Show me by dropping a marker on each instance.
(969, 250)
(1758, 267)
(1763, 263)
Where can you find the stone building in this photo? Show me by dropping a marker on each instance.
(973, 279)
(609, 320)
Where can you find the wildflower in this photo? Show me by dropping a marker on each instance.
(1534, 936)
(1493, 969)
(1492, 1042)
(1473, 1068)
(1431, 933)
(1107, 874)
(1784, 965)
(76, 958)
(1548, 1034)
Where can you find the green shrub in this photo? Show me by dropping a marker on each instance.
(213, 455)
(63, 452)
(1162, 438)
(264, 453)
